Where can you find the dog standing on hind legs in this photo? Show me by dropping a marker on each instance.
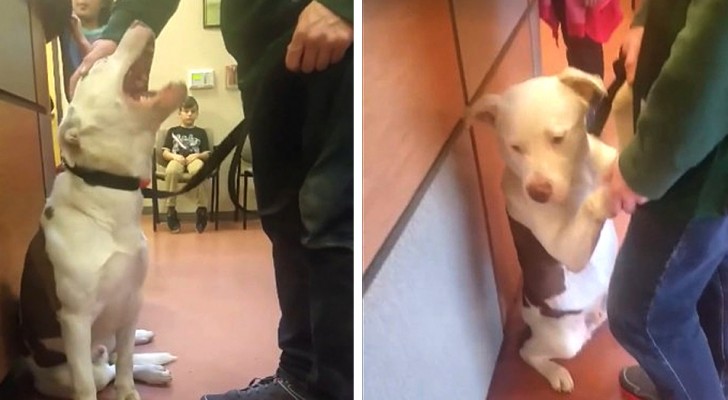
(81, 286)
(552, 184)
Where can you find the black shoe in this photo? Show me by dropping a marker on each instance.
(636, 385)
(201, 219)
(270, 388)
(172, 220)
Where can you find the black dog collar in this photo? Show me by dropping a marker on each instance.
(105, 179)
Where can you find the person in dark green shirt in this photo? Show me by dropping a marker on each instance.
(295, 73)
(668, 298)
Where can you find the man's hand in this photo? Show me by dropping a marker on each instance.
(321, 38)
(192, 157)
(631, 50)
(136, 81)
(99, 49)
(619, 195)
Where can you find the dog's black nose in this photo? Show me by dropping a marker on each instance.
(540, 192)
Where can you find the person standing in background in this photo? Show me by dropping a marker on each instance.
(585, 26)
(85, 27)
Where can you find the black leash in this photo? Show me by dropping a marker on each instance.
(233, 142)
(605, 105)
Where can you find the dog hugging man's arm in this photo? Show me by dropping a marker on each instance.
(552, 164)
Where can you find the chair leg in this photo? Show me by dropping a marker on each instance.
(211, 214)
(155, 204)
(216, 189)
(237, 192)
(245, 202)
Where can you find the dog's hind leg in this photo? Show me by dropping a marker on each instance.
(153, 358)
(142, 336)
(152, 374)
(149, 368)
(538, 354)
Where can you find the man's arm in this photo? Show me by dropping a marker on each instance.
(154, 14)
(684, 117)
(639, 18)
(342, 8)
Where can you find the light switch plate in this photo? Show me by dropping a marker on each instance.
(201, 79)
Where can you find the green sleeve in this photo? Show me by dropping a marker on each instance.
(685, 116)
(342, 8)
(640, 16)
(154, 13)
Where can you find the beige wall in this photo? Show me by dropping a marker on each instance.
(185, 45)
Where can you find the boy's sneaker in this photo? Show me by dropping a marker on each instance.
(172, 220)
(270, 388)
(201, 219)
(636, 385)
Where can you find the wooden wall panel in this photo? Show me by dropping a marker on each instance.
(483, 26)
(17, 77)
(412, 100)
(21, 202)
(517, 66)
(26, 167)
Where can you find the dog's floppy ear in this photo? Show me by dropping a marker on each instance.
(486, 109)
(584, 84)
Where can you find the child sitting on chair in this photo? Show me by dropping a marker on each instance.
(186, 148)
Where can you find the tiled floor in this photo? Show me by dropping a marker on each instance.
(595, 369)
(210, 299)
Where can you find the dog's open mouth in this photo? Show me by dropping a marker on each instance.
(139, 41)
(136, 80)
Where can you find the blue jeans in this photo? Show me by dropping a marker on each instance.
(668, 300)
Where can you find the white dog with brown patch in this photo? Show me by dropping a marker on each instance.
(552, 183)
(83, 275)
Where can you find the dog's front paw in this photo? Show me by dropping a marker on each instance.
(560, 379)
(127, 394)
(152, 374)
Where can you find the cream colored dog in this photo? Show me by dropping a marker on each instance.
(565, 243)
(81, 286)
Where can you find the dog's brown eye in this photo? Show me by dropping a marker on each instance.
(518, 149)
(557, 139)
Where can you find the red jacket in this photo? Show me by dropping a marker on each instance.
(598, 22)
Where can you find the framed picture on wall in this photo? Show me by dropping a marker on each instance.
(211, 13)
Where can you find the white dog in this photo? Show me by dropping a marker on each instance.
(565, 243)
(81, 286)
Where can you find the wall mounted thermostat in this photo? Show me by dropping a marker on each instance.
(201, 79)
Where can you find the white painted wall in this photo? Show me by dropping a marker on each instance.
(184, 45)
(432, 328)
